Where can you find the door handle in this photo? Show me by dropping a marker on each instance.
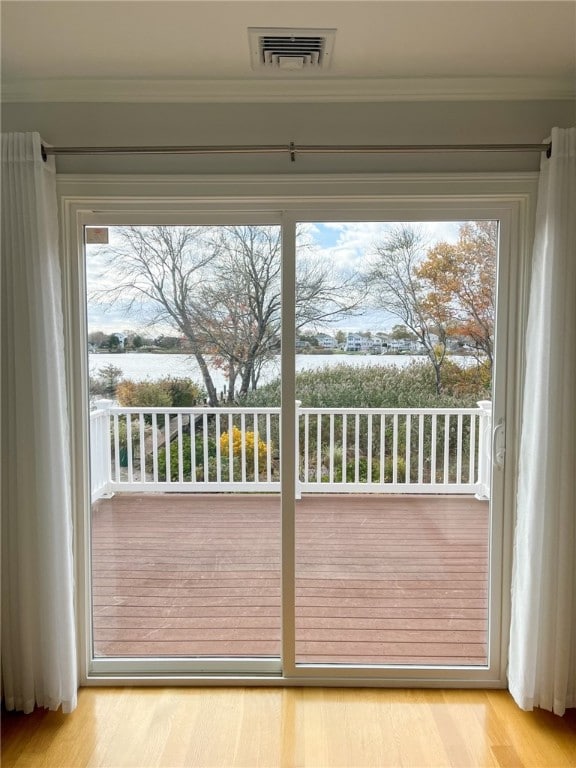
(499, 444)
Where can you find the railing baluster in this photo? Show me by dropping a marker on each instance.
(382, 448)
(369, 450)
(205, 446)
(319, 448)
(218, 450)
(446, 448)
(344, 446)
(297, 450)
(472, 450)
(167, 446)
(117, 477)
(230, 448)
(107, 442)
(180, 449)
(107, 448)
(142, 448)
(306, 445)
(256, 456)
(154, 448)
(129, 447)
(331, 449)
(243, 446)
(193, 448)
(433, 441)
(395, 448)
(268, 449)
(421, 449)
(408, 459)
(357, 448)
(459, 450)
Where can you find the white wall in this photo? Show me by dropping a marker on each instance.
(382, 123)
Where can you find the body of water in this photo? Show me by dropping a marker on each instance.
(143, 366)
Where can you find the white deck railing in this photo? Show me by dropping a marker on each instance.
(350, 450)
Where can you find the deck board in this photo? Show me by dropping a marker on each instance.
(380, 579)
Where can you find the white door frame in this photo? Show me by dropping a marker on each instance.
(510, 198)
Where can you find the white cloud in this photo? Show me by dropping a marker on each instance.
(355, 240)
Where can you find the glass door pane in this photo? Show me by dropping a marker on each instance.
(395, 348)
(183, 330)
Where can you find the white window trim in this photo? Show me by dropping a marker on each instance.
(99, 199)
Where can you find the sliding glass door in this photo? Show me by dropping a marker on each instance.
(184, 327)
(291, 425)
(394, 390)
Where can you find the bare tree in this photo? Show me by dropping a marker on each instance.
(158, 271)
(395, 286)
(243, 302)
(243, 299)
(220, 288)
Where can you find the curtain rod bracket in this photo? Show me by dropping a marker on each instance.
(292, 152)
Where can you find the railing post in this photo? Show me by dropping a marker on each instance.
(484, 450)
(298, 489)
(100, 451)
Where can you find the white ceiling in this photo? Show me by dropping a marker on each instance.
(187, 50)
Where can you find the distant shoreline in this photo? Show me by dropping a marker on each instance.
(318, 352)
(142, 366)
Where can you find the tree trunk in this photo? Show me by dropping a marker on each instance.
(247, 375)
(231, 383)
(437, 372)
(208, 383)
(437, 369)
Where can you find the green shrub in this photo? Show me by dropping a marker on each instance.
(473, 381)
(184, 393)
(363, 471)
(186, 459)
(123, 438)
(412, 386)
(162, 393)
(142, 394)
(199, 462)
(104, 383)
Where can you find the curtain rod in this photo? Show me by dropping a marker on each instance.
(305, 149)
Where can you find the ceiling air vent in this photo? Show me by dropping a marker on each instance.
(290, 50)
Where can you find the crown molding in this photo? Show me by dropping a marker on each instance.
(317, 90)
(223, 180)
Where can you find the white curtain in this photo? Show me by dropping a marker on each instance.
(542, 666)
(38, 651)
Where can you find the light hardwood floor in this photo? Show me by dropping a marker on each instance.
(319, 727)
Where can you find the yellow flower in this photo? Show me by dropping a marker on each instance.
(249, 446)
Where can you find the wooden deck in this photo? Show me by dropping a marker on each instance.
(380, 579)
